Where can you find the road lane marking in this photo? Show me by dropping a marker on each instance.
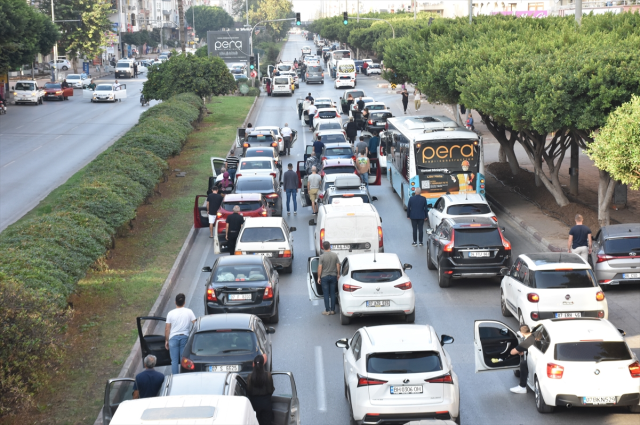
(6, 165)
(320, 387)
(37, 148)
(58, 137)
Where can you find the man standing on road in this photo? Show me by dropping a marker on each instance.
(176, 331)
(352, 131)
(328, 271)
(231, 164)
(234, 224)
(580, 239)
(313, 186)
(362, 146)
(309, 98)
(291, 188)
(522, 350)
(312, 112)
(214, 200)
(417, 212)
(364, 67)
(135, 70)
(374, 142)
(149, 381)
(318, 147)
(361, 104)
(405, 100)
(363, 166)
(286, 135)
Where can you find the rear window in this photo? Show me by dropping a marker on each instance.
(244, 205)
(350, 227)
(376, 107)
(284, 81)
(284, 67)
(477, 238)
(262, 234)
(329, 126)
(349, 169)
(260, 138)
(339, 152)
(122, 65)
(380, 116)
(239, 273)
(592, 351)
(469, 209)
(260, 152)
(314, 69)
(244, 185)
(405, 362)
(622, 246)
(333, 138)
(355, 93)
(223, 343)
(376, 276)
(255, 165)
(327, 114)
(557, 279)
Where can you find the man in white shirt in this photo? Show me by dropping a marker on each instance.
(176, 331)
(312, 112)
(286, 135)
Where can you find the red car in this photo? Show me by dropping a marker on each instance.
(55, 91)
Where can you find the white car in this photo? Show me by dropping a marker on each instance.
(324, 102)
(374, 68)
(395, 373)
(581, 362)
(282, 85)
(28, 91)
(62, 64)
(375, 285)
(325, 125)
(366, 101)
(106, 93)
(77, 81)
(275, 132)
(452, 206)
(551, 285)
(327, 114)
(376, 106)
(306, 49)
(258, 166)
(268, 236)
(294, 77)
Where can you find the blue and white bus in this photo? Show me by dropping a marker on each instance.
(433, 153)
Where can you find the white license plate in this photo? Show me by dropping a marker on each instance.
(266, 254)
(340, 246)
(382, 303)
(406, 389)
(380, 123)
(480, 254)
(599, 400)
(631, 275)
(225, 368)
(567, 315)
(234, 297)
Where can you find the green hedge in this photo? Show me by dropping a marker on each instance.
(42, 258)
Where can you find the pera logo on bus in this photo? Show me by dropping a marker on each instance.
(227, 45)
(454, 152)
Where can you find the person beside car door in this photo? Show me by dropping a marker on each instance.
(286, 135)
(231, 164)
(580, 239)
(417, 211)
(259, 391)
(234, 224)
(149, 381)
(214, 200)
(522, 350)
(352, 131)
(328, 271)
(176, 331)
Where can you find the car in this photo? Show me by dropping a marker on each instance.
(124, 68)
(78, 81)
(332, 136)
(251, 205)
(453, 206)
(345, 186)
(374, 106)
(282, 85)
(355, 93)
(106, 93)
(551, 285)
(240, 77)
(55, 91)
(358, 64)
(285, 66)
(326, 114)
(324, 100)
(163, 58)
(374, 68)
(262, 152)
(335, 166)
(467, 247)
(579, 362)
(399, 373)
(267, 186)
(315, 74)
(62, 64)
(237, 68)
(377, 121)
(243, 284)
(275, 130)
(365, 99)
(306, 49)
(260, 138)
(258, 166)
(268, 236)
(337, 150)
(294, 76)
(27, 91)
(326, 124)
(615, 255)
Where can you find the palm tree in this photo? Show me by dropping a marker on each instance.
(182, 29)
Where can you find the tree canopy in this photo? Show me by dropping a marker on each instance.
(208, 18)
(270, 10)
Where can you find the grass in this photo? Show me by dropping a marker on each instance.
(106, 303)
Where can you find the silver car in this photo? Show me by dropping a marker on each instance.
(615, 256)
(315, 74)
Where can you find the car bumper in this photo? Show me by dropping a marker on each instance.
(280, 263)
(262, 310)
(357, 306)
(98, 99)
(470, 271)
(315, 79)
(372, 128)
(631, 399)
(612, 277)
(26, 100)
(340, 83)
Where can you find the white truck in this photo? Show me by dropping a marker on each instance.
(27, 91)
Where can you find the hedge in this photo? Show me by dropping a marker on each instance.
(42, 258)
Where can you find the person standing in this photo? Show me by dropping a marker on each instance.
(286, 135)
(362, 146)
(312, 112)
(374, 142)
(234, 224)
(309, 98)
(259, 391)
(135, 70)
(405, 99)
(176, 331)
(365, 65)
(291, 188)
(352, 130)
(522, 350)
(417, 213)
(361, 104)
(318, 147)
(580, 239)
(268, 86)
(214, 200)
(469, 123)
(231, 164)
(363, 166)
(328, 271)
(313, 186)
(416, 99)
(149, 381)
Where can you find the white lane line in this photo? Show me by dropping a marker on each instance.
(58, 137)
(37, 148)
(6, 165)
(320, 387)
(312, 245)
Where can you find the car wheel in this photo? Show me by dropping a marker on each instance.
(64, 68)
(443, 280)
(503, 305)
(430, 264)
(410, 318)
(344, 320)
(540, 404)
(605, 288)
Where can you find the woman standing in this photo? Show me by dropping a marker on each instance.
(268, 86)
(259, 390)
(225, 186)
(416, 99)
(405, 99)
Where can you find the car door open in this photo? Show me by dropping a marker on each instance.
(492, 344)
(313, 281)
(286, 406)
(122, 93)
(200, 216)
(116, 391)
(216, 165)
(153, 344)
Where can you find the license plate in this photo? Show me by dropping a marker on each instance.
(266, 254)
(567, 315)
(631, 275)
(340, 246)
(480, 254)
(234, 297)
(225, 368)
(406, 389)
(380, 123)
(599, 400)
(385, 303)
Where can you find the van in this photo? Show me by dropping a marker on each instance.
(345, 73)
(351, 226)
(124, 68)
(282, 85)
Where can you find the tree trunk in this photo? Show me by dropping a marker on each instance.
(456, 113)
(502, 156)
(606, 187)
(506, 143)
(182, 30)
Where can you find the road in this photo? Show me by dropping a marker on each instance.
(304, 341)
(42, 146)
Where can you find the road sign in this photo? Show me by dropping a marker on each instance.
(253, 74)
(393, 86)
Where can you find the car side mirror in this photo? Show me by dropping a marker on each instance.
(342, 343)
(623, 333)
(271, 330)
(206, 269)
(446, 339)
(14, 87)
(429, 231)
(505, 271)
(292, 229)
(407, 266)
(374, 198)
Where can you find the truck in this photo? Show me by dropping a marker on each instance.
(27, 91)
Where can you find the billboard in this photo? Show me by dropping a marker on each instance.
(231, 46)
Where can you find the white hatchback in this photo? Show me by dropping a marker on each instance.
(268, 236)
(452, 206)
(399, 373)
(258, 166)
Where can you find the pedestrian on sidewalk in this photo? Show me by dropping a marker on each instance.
(352, 131)
(580, 239)
(417, 212)
(286, 135)
(416, 99)
(214, 200)
(148, 382)
(405, 100)
(328, 271)
(363, 166)
(291, 188)
(234, 224)
(176, 331)
(469, 123)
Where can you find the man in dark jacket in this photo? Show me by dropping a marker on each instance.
(352, 130)
(291, 188)
(417, 212)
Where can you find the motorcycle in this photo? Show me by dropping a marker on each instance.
(143, 101)
(3, 108)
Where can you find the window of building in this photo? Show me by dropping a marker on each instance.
(536, 6)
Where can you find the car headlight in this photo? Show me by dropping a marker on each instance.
(95, 95)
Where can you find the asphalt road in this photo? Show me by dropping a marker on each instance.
(304, 341)
(42, 146)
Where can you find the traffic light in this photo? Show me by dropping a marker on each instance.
(252, 62)
(298, 21)
(345, 18)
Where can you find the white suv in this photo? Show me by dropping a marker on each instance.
(551, 285)
(573, 362)
(451, 206)
(399, 373)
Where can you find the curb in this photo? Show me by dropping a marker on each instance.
(532, 231)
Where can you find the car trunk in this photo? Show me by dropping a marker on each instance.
(378, 290)
(477, 247)
(565, 290)
(241, 292)
(350, 234)
(620, 250)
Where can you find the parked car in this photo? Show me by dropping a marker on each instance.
(62, 64)
(615, 255)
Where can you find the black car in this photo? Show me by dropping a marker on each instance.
(226, 343)
(376, 121)
(467, 247)
(267, 186)
(243, 284)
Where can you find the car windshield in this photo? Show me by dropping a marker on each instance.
(258, 152)
(73, 77)
(375, 65)
(477, 238)
(240, 77)
(349, 169)
(255, 165)
(123, 65)
(333, 138)
(561, 279)
(220, 343)
(25, 86)
(244, 205)
(327, 114)
(104, 87)
(404, 362)
(52, 86)
(262, 234)
(468, 209)
(376, 276)
(622, 246)
(338, 152)
(254, 185)
(239, 273)
(283, 67)
(314, 69)
(375, 107)
(592, 351)
(281, 81)
(364, 197)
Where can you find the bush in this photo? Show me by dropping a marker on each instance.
(253, 91)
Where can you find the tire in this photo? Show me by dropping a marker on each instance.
(65, 68)
(346, 390)
(288, 270)
(344, 320)
(540, 404)
(430, 264)
(634, 409)
(605, 288)
(503, 306)
(444, 281)
(410, 318)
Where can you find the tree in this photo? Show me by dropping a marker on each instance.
(239, 8)
(181, 28)
(270, 10)
(616, 152)
(24, 33)
(208, 18)
(140, 38)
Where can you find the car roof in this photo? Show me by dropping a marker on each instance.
(372, 261)
(328, 121)
(258, 177)
(394, 338)
(236, 197)
(621, 230)
(581, 329)
(554, 260)
(262, 128)
(471, 221)
(470, 198)
(212, 322)
(263, 222)
(197, 383)
(335, 162)
(333, 108)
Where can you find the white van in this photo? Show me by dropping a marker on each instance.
(124, 68)
(351, 226)
(345, 73)
(282, 85)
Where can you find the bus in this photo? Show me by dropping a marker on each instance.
(335, 56)
(433, 153)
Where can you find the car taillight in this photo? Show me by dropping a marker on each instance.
(380, 238)
(245, 145)
(272, 174)
(321, 195)
(370, 122)
(264, 213)
(494, 218)
(268, 293)
(321, 237)
(386, 126)
(363, 381)
(533, 298)
(211, 295)
(239, 253)
(324, 158)
(505, 243)
(634, 370)
(271, 196)
(603, 257)
(274, 144)
(323, 74)
(219, 214)
(444, 379)
(307, 75)
(381, 151)
(599, 296)
(601, 314)
(353, 157)
(404, 286)
(350, 288)
(554, 371)
(449, 247)
(284, 254)
(238, 175)
(187, 364)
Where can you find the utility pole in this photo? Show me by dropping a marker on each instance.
(578, 12)
(470, 12)
(246, 4)
(358, 14)
(415, 12)
(55, 49)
